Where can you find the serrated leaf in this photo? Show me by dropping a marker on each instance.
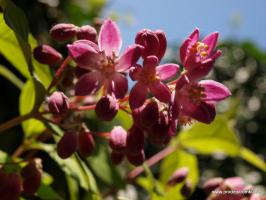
(211, 138)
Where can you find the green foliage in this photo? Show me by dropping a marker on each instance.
(252, 158)
(11, 77)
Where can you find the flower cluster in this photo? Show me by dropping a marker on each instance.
(162, 96)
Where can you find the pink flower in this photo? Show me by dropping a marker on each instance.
(197, 99)
(149, 78)
(199, 56)
(102, 62)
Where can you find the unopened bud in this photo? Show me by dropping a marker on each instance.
(46, 54)
(63, 32)
(136, 159)
(134, 71)
(212, 184)
(87, 32)
(150, 114)
(86, 143)
(107, 108)
(118, 138)
(135, 140)
(10, 186)
(117, 157)
(186, 188)
(32, 174)
(234, 183)
(162, 43)
(67, 145)
(58, 103)
(178, 176)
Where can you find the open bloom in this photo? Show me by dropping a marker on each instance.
(149, 78)
(102, 62)
(199, 56)
(197, 99)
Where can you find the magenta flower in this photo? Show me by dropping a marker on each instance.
(199, 56)
(197, 99)
(102, 62)
(149, 78)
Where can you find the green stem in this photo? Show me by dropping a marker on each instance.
(16, 121)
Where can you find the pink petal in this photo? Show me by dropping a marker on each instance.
(129, 58)
(183, 50)
(161, 91)
(88, 84)
(85, 53)
(109, 38)
(194, 36)
(117, 85)
(167, 71)
(138, 95)
(202, 112)
(181, 82)
(214, 91)
(211, 41)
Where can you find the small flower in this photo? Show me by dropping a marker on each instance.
(46, 54)
(149, 78)
(198, 57)
(107, 108)
(58, 103)
(105, 67)
(118, 138)
(63, 32)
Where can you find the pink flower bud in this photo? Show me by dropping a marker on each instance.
(186, 189)
(10, 186)
(149, 40)
(58, 103)
(67, 145)
(107, 108)
(87, 32)
(212, 184)
(136, 159)
(86, 143)
(46, 54)
(116, 157)
(63, 32)
(178, 176)
(135, 140)
(32, 174)
(117, 140)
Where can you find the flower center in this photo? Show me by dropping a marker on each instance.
(107, 66)
(147, 76)
(195, 93)
(200, 49)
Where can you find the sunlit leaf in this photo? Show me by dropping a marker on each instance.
(46, 192)
(5, 72)
(252, 158)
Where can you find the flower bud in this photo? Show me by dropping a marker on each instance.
(136, 159)
(134, 71)
(116, 157)
(10, 186)
(46, 54)
(107, 108)
(150, 114)
(234, 183)
(162, 43)
(135, 140)
(186, 189)
(67, 145)
(149, 41)
(63, 32)
(58, 103)
(178, 176)
(87, 32)
(212, 184)
(86, 143)
(118, 138)
(32, 174)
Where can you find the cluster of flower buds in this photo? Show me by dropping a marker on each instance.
(159, 100)
(27, 182)
(230, 188)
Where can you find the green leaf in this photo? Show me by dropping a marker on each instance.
(26, 104)
(11, 77)
(124, 119)
(252, 158)
(46, 192)
(211, 138)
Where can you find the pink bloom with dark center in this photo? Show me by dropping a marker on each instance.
(197, 99)
(199, 56)
(149, 78)
(102, 62)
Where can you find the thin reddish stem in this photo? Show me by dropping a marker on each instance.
(84, 108)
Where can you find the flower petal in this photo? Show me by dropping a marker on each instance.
(211, 41)
(138, 95)
(161, 91)
(194, 36)
(85, 53)
(214, 91)
(150, 62)
(117, 85)
(88, 84)
(183, 50)
(167, 71)
(129, 58)
(109, 38)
